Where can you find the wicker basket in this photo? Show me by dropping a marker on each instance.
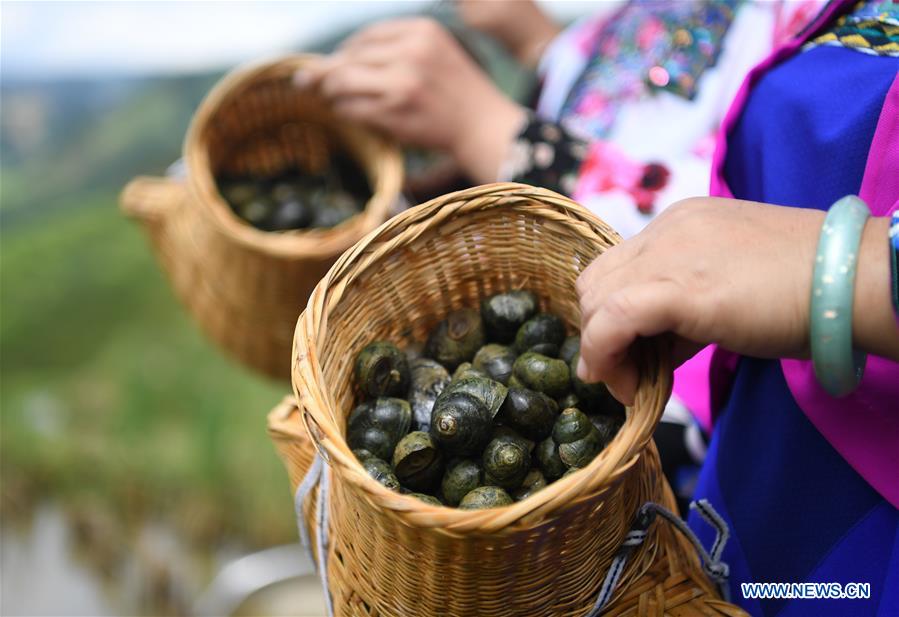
(244, 285)
(389, 554)
(672, 585)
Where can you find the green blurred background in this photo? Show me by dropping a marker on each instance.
(116, 414)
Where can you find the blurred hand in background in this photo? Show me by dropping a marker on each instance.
(411, 79)
(519, 25)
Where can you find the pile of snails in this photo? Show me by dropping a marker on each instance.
(489, 413)
(298, 199)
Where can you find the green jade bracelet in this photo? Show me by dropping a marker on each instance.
(838, 367)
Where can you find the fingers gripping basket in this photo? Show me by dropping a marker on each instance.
(389, 554)
(244, 285)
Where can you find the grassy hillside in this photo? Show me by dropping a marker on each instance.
(112, 401)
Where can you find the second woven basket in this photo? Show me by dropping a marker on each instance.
(244, 285)
(388, 554)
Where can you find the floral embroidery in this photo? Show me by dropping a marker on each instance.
(607, 168)
(546, 155)
(634, 55)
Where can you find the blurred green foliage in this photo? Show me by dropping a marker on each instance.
(109, 394)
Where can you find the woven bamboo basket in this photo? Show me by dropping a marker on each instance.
(244, 285)
(390, 554)
(673, 585)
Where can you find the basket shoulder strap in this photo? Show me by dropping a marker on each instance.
(317, 475)
(717, 570)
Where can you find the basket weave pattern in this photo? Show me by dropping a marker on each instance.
(390, 554)
(673, 585)
(244, 285)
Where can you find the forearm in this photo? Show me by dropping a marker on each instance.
(529, 50)
(482, 146)
(874, 325)
(520, 26)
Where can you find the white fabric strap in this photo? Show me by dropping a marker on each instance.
(714, 568)
(310, 480)
(177, 170)
(317, 475)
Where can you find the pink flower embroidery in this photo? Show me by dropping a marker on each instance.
(584, 36)
(650, 32)
(610, 46)
(607, 168)
(592, 103)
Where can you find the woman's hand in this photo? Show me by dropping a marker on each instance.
(519, 25)
(721, 271)
(411, 79)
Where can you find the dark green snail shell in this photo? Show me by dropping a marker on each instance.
(505, 313)
(456, 339)
(496, 361)
(570, 471)
(548, 459)
(514, 382)
(580, 452)
(380, 470)
(378, 425)
(569, 400)
(237, 192)
(570, 346)
(571, 425)
(537, 372)
(373, 440)
(543, 328)
(506, 462)
(461, 477)
(284, 190)
(550, 350)
(335, 207)
(485, 497)
(594, 397)
(467, 370)
(500, 431)
(531, 413)
(417, 461)
(489, 392)
(533, 482)
(382, 370)
(428, 379)
(291, 214)
(257, 212)
(362, 454)
(606, 426)
(428, 499)
(392, 415)
(460, 423)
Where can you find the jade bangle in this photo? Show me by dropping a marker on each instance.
(838, 367)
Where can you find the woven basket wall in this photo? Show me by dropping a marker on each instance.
(390, 554)
(673, 585)
(243, 285)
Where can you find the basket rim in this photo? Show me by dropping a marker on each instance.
(315, 405)
(296, 244)
(278, 421)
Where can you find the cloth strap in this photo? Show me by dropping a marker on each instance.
(715, 569)
(317, 475)
(712, 565)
